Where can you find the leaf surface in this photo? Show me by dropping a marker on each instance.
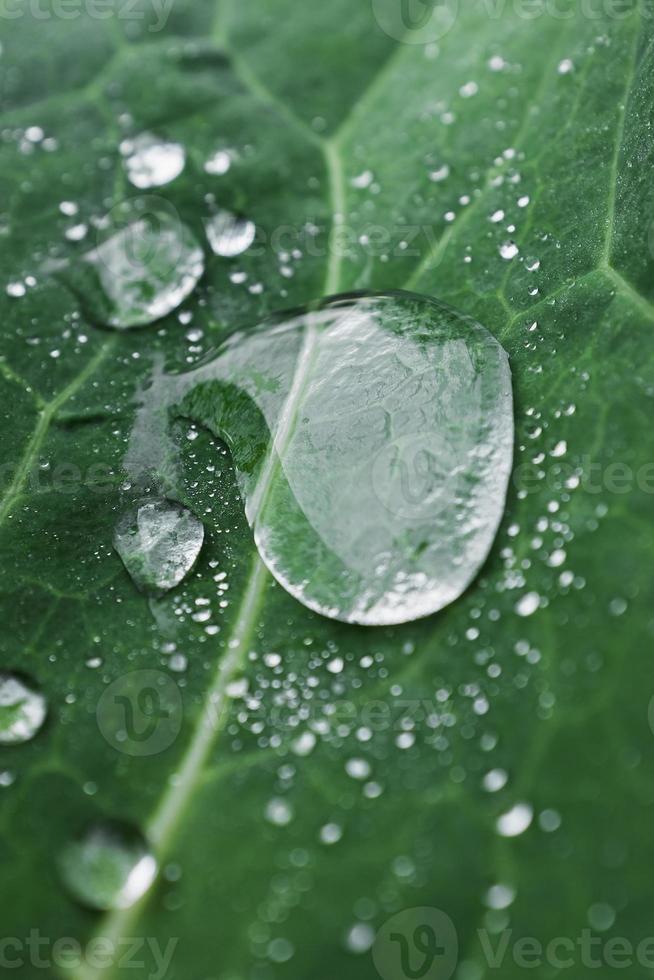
(310, 97)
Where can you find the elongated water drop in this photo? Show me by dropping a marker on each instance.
(22, 709)
(159, 542)
(145, 264)
(109, 867)
(372, 437)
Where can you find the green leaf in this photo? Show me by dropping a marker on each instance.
(365, 163)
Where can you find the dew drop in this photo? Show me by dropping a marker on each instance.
(219, 163)
(152, 162)
(109, 867)
(495, 780)
(279, 812)
(515, 821)
(357, 768)
(228, 234)
(145, 265)
(527, 604)
(159, 542)
(500, 897)
(331, 833)
(22, 709)
(440, 174)
(360, 938)
(509, 250)
(379, 495)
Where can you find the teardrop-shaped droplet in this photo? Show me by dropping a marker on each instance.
(22, 709)
(228, 234)
(372, 437)
(150, 161)
(109, 867)
(145, 264)
(159, 542)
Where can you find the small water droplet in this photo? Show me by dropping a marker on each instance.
(219, 163)
(331, 833)
(363, 180)
(109, 867)
(279, 812)
(159, 542)
(515, 821)
(357, 768)
(440, 174)
(509, 250)
(565, 66)
(304, 744)
(22, 709)
(151, 161)
(500, 896)
(468, 90)
(601, 917)
(146, 263)
(228, 234)
(360, 938)
(527, 604)
(495, 780)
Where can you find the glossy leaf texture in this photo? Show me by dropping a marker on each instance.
(316, 778)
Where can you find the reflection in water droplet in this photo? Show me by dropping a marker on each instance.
(151, 161)
(392, 445)
(145, 265)
(109, 867)
(159, 542)
(22, 709)
(372, 438)
(228, 234)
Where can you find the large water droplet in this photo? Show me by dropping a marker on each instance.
(372, 438)
(159, 542)
(22, 709)
(109, 867)
(145, 264)
(228, 234)
(151, 161)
